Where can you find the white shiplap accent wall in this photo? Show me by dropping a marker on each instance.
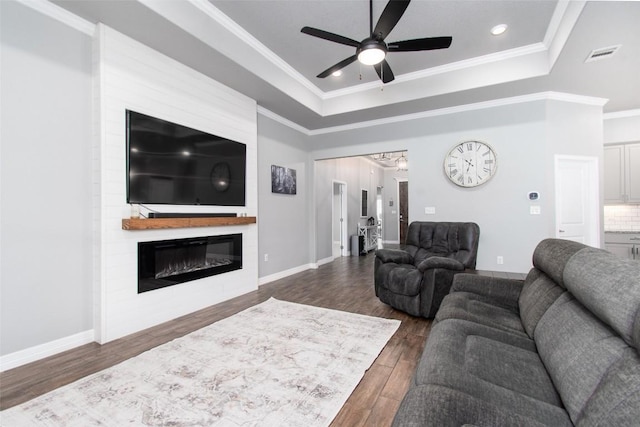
(132, 76)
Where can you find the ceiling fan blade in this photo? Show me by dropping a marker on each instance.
(339, 66)
(384, 71)
(330, 36)
(389, 18)
(428, 43)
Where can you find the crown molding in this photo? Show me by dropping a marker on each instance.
(442, 69)
(621, 114)
(563, 20)
(216, 14)
(278, 118)
(541, 96)
(61, 15)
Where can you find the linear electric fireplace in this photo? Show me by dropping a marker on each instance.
(169, 262)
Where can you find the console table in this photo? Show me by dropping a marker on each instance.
(370, 234)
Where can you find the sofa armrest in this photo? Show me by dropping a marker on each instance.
(394, 255)
(440, 262)
(503, 291)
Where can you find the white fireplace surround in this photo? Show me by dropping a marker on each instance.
(129, 75)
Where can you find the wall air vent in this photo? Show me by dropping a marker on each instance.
(602, 53)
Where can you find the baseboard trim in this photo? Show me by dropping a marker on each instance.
(323, 261)
(28, 355)
(286, 273)
(282, 274)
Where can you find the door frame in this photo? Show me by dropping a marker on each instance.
(344, 243)
(593, 195)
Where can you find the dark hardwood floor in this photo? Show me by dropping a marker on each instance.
(344, 284)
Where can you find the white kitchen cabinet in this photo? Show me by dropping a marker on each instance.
(632, 170)
(622, 173)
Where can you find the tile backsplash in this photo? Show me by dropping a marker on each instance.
(622, 218)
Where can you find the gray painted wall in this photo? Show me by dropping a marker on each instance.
(45, 241)
(526, 138)
(284, 220)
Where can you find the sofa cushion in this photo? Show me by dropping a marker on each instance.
(498, 367)
(436, 405)
(616, 400)
(538, 293)
(577, 350)
(604, 284)
(479, 309)
(510, 367)
(551, 255)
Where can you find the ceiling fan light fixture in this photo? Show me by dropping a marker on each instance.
(337, 73)
(371, 52)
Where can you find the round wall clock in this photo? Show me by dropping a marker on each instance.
(470, 163)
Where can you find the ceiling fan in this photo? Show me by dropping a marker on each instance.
(373, 49)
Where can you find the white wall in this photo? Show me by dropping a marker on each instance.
(525, 136)
(135, 77)
(45, 176)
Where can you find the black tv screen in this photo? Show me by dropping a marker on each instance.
(172, 164)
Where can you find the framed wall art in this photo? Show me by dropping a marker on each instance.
(283, 180)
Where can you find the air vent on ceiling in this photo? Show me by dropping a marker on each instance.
(602, 53)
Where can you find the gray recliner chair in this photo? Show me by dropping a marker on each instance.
(417, 277)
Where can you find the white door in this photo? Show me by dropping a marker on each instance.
(577, 196)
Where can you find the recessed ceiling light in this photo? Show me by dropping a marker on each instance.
(337, 73)
(499, 29)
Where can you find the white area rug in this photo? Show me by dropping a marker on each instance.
(274, 364)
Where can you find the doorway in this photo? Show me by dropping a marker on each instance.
(577, 199)
(403, 210)
(339, 219)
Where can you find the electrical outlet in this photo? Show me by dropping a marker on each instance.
(266, 257)
(431, 210)
(500, 259)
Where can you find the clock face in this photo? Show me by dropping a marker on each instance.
(470, 163)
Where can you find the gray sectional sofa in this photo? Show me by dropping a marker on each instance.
(560, 348)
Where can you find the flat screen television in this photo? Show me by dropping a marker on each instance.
(168, 163)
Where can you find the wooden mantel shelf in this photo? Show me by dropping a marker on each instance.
(159, 223)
